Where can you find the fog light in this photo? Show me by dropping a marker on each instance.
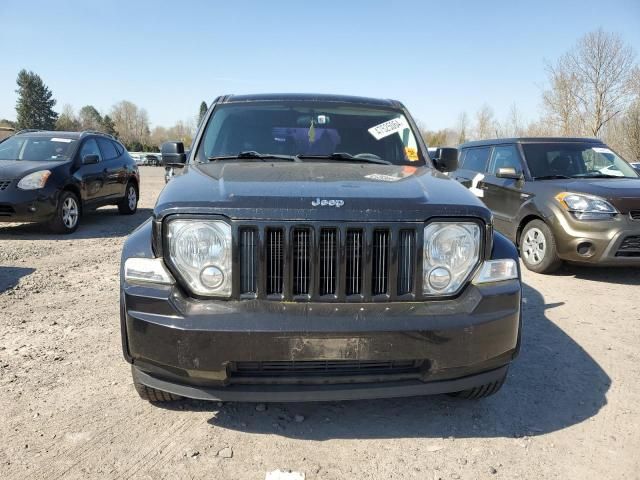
(211, 277)
(585, 249)
(439, 278)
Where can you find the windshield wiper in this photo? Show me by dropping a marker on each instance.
(344, 156)
(551, 177)
(595, 175)
(253, 155)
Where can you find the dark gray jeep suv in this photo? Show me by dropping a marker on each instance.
(311, 250)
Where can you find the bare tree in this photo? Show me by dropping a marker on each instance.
(131, 122)
(559, 101)
(462, 128)
(598, 73)
(485, 123)
(67, 120)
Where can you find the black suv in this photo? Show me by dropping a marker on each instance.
(311, 250)
(559, 199)
(53, 176)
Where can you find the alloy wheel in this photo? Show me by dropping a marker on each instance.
(534, 246)
(70, 212)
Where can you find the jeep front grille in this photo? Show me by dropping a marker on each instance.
(4, 184)
(339, 262)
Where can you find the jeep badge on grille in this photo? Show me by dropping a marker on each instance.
(327, 203)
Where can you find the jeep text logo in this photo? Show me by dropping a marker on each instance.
(327, 203)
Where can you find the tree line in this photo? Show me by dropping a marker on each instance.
(125, 120)
(593, 90)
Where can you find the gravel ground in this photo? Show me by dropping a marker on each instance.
(570, 408)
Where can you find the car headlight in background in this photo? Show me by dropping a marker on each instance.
(586, 207)
(451, 251)
(201, 252)
(34, 180)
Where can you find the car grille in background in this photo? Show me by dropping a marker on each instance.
(634, 214)
(328, 263)
(4, 184)
(311, 368)
(630, 247)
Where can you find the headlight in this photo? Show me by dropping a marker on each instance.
(451, 251)
(34, 180)
(586, 207)
(201, 252)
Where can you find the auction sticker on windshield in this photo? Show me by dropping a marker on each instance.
(390, 127)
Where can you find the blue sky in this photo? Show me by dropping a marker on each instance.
(439, 58)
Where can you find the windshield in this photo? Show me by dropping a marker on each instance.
(37, 148)
(310, 130)
(575, 160)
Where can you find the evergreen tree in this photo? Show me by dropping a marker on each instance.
(34, 108)
(203, 111)
(108, 126)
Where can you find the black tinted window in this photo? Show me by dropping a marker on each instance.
(575, 160)
(107, 148)
(505, 156)
(119, 148)
(476, 159)
(90, 147)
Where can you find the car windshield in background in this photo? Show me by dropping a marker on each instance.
(335, 132)
(37, 148)
(575, 160)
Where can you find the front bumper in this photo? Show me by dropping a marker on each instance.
(597, 242)
(192, 347)
(27, 205)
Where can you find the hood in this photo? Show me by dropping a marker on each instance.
(318, 191)
(13, 169)
(622, 193)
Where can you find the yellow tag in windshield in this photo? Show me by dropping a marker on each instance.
(312, 133)
(411, 153)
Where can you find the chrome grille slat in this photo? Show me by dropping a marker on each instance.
(380, 273)
(248, 261)
(301, 261)
(406, 262)
(328, 256)
(353, 262)
(274, 262)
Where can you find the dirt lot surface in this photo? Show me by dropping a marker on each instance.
(570, 408)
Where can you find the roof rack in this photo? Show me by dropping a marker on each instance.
(96, 132)
(29, 130)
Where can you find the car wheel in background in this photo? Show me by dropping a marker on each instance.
(67, 216)
(538, 248)
(129, 204)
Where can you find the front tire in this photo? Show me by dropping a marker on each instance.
(129, 204)
(538, 248)
(67, 216)
(153, 395)
(482, 391)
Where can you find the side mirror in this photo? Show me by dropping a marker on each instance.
(90, 159)
(446, 159)
(173, 153)
(509, 172)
